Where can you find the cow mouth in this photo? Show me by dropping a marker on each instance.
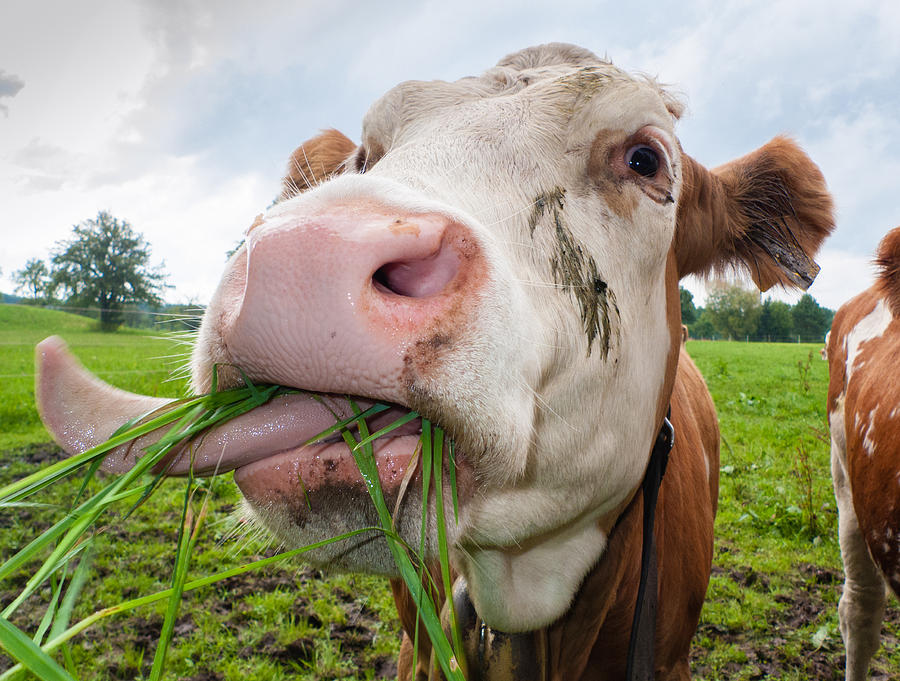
(275, 450)
(278, 457)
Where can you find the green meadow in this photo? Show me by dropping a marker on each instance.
(771, 607)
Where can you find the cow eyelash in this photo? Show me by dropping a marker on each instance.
(361, 160)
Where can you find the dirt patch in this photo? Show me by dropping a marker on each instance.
(774, 653)
(42, 454)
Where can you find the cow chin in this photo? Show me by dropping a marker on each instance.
(527, 588)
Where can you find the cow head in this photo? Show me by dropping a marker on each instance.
(502, 255)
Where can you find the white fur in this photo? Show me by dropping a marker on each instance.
(873, 325)
(861, 608)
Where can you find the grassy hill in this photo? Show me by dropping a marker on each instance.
(132, 359)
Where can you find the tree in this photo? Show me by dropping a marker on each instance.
(106, 264)
(811, 320)
(33, 280)
(776, 323)
(703, 327)
(688, 311)
(733, 310)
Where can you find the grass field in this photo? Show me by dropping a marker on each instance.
(771, 608)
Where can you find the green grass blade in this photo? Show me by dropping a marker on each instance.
(48, 475)
(402, 421)
(88, 476)
(365, 461)
(74, 525)
(28, 504)
(79, 577)
(188, 420)
(29, 654)
(343, 423)
(452, 470)
(178, 411)
(442, 540)
(50, 612)
(186, 540)
(426, 487)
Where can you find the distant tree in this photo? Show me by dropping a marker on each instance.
(106, 264)
(33, 280)
(733, 310)
(811, 320)
(776, 321)
(703, 327)
(688, 311)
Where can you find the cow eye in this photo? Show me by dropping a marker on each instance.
(643, 160)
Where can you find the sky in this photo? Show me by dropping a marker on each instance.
(179, 116)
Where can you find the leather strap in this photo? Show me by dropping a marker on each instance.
(643, 626)
(496, 656)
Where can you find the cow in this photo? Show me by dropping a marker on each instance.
(502, 255)
(864, 417)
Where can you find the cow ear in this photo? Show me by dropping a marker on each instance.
(767, 211)
(888, 263)
(315, 161)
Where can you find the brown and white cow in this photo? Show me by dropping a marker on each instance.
(501, 254)
(864, 415)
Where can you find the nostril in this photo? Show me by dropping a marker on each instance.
(418, 278)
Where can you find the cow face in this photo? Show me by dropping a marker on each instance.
(500, 254)
(493, 256)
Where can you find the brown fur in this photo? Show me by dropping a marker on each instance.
(870, 396)
(315, 161)
(619, 195)
(888, 262)
(864, 415)
(769, 210)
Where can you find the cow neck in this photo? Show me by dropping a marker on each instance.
(494, 655)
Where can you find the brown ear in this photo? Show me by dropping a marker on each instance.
(315, 161)
(768, 211)
(888, 262)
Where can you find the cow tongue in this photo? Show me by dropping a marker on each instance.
(81, 411)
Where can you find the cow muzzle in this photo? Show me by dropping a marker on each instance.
(344, 300)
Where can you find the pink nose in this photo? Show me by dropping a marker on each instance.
(346, 300)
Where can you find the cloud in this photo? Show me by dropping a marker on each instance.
(844, 274)
(39, 155)
(36, 184)
(10, 86)
(166, 109)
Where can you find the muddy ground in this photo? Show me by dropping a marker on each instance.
(771, 651)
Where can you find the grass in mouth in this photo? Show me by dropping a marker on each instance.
(71, 536)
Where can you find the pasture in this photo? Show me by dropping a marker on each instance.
(771, 606)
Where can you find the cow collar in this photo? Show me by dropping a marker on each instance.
(643, 626)
(497, 656)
